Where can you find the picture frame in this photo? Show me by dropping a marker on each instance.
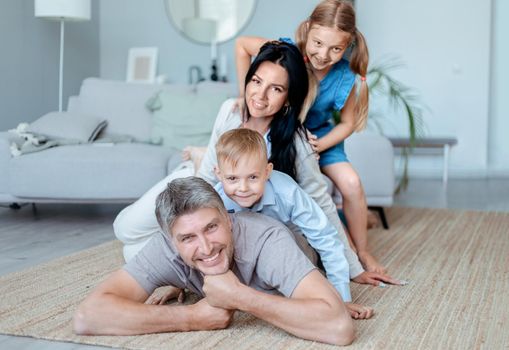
(142, 64)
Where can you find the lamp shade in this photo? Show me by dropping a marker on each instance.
(69, 10)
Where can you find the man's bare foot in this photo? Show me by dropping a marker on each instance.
(162, 294)
(195, 154)
(370, 263)
(359, 312)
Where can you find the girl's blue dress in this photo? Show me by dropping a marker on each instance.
(333, 91)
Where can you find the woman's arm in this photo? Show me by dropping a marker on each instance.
(311, 180)
(245, 48)
(316, 228)
(341, 131)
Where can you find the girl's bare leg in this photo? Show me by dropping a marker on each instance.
(355, 208)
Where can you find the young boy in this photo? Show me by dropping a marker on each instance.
(247, 182)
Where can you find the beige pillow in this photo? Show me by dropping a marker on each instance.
(69, 126)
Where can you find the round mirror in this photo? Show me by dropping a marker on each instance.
(209, 21)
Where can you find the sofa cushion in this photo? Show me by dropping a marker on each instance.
(121, 171)
(121, 103)
(185, 117)
(70, 126)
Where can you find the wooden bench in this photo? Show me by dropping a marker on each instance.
(442, 144)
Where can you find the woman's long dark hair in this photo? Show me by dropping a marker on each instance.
(285, 124)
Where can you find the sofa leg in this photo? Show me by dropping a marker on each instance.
(381, 214)
(34, 209)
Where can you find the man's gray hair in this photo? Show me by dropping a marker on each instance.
(185, 196)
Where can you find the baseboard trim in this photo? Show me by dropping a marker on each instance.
(498, 173)
(457, 173)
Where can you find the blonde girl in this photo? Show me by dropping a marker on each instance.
(323, 39)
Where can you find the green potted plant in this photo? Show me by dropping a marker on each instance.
(400, 97)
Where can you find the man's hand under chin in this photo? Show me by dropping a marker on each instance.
(222, 290)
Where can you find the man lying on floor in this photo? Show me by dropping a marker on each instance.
(243, 261)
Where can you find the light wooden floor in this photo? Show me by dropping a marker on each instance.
(484, 195)
(57, 230)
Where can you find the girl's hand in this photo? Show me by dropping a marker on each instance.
(315, 143)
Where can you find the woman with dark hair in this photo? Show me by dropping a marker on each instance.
(276, 98)
(282, 124)
(285, 123)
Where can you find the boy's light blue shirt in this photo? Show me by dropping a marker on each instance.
(285, 201)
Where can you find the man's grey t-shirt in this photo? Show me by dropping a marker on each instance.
(265, 256)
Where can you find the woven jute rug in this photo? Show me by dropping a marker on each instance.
(457, 263)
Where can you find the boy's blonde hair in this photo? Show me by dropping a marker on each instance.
(340, 14)
(237, 143)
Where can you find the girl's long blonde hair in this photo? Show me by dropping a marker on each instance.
(340, 14)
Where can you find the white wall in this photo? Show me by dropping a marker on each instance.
(460, 73)
(446, 48)
(445, 44)
(29, 61)
(499, 112)
(131, 23)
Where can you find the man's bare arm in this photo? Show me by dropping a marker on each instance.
(314, 311)
(116, 307)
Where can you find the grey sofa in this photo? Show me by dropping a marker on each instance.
(93, 173)
(372, 156)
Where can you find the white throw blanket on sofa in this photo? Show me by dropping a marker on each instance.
(56, 129)
(29, 142)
